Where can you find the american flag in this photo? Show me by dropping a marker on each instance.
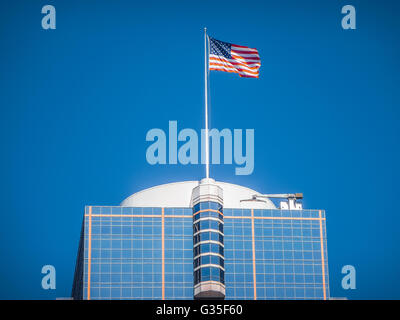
(230, 57)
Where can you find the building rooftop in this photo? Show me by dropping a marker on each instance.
(179, 194)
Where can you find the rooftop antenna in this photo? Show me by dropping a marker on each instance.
(289, 205)
(280, 195)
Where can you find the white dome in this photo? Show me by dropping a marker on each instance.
(179, 195)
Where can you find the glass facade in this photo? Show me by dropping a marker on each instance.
(275, 254)
(208, 242)
(161, 253)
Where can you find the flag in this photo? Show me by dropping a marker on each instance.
(230, 57)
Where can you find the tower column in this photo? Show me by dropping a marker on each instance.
(208, 241)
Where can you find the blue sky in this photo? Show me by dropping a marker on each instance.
(76, 104)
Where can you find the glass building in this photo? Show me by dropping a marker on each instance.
(207, 239)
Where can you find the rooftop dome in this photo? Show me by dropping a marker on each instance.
(179, 194)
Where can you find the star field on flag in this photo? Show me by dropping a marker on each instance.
(230, 57)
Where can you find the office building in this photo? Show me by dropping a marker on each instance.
(207, 239)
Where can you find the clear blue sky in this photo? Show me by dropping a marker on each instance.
(76, 104)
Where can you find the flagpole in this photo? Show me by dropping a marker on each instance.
(206, 104)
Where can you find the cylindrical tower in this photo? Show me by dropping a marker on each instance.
(208, 241)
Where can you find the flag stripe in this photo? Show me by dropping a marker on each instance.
(242, 55)
(233, 67)
(234, 70)
(241, 74)
(244, 49)
(231, 70)
(251, 66)
(228, 65)
(248, 62)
